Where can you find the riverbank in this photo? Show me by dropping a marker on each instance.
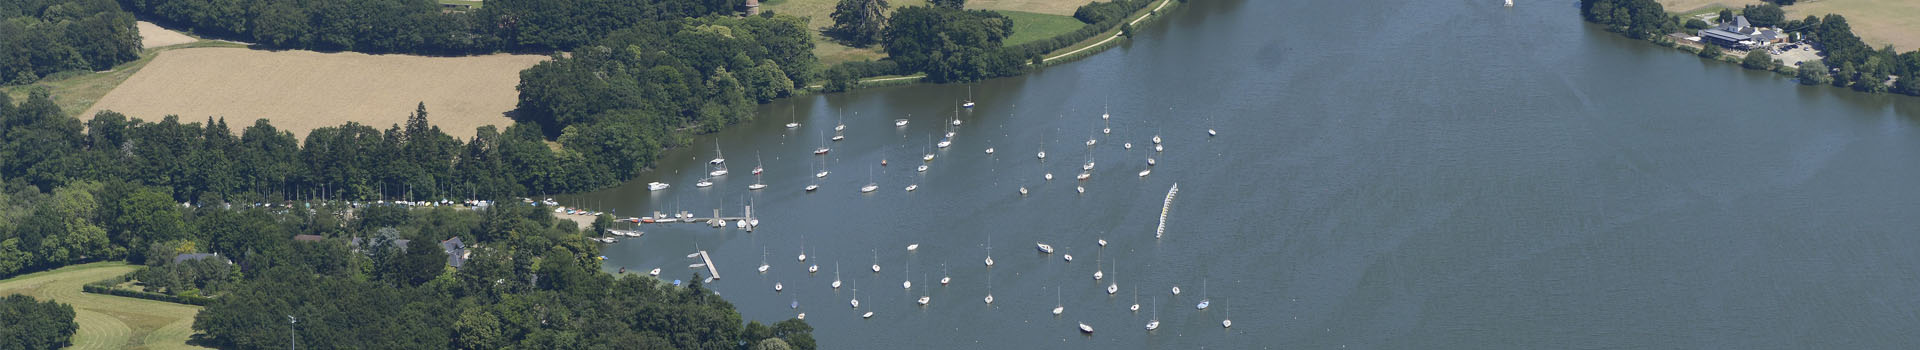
(1847, 60)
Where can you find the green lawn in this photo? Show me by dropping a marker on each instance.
(109, 322)
(1028, 26)
(75, 92)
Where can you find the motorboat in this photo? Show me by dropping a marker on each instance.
(1023, 190)
(1083, 176)
(1043, 247)
(900, 122)
(756, 187)
(1156, 139)
(706, 182)
(1144, 172)
(654, 273)
(656, 186)
(1084, 328)
(912, 187)
(922, 168)
(1048, 176)
(913, 247)
(989, 150)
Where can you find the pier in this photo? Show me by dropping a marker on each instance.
(712, 272)
(716, 221)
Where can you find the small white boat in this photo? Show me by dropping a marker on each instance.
(1211, 133)
(928, 157)
(989, 150)
(793, 125)
(1103, 242)
(1061, 307)
(1154, 323)
(944, 278)
(912, 187)
(944, 143)
(869, 188)
(1067, 257)
(1509, 4)
(949, 134)
(1144, 172)
(989, 298)
(840, 127)
(922, 168)
(876, 261)
(1043, 247)
(1156, 139)
(656, 186)
(1023, 190)
(777, 287)
(1157, 148)
(654, 273)
(924, 300)
(1090, 142)
(836, 275)
(1128, 145)
(1083, 176)
(802, 316)
(813, 268)
(1176, 290)
(968, 104)
(907, 284)
(756, 187)
(792, 122)
(718, 172)
(1204, 302)
(810, 188)
(913, 247)
(1106, 130)
(1228, 322)
(822, 174)
(900, 122)
(1150, 161)
(1097, 275)
(1042, 155)
(1084, 328)
(1088, 166)
(869, 314)
(989, 261)
(956, 122)
(703, 183)
(1049, 176)
(821, 150)
(839, 137)
(696, 265)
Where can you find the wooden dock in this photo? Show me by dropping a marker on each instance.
(716, 221)
(712, 272)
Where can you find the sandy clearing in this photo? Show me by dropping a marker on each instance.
(152, 36)
(303, 90)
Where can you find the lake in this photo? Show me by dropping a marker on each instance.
(1388, 174)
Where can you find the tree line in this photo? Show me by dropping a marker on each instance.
(419, 26)
(39, 38)
(1846, 61)
(33, 324)
(951, 44)
(622, 98)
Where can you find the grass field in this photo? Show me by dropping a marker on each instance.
(1878, 22)
(77, 91)
(1029, 26)
(304, 90)
(109, 322)
(1691, 6)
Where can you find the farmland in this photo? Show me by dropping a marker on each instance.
(109, 322)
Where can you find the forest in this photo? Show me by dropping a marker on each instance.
(33, 324)
(1847, 61)
(39, 38)
(419, 26)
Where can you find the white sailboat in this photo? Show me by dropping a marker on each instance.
(1102, 242)
(843, 122)
(989, 150)
(856, 295)
(902, 122)
(1114, 285)
(1156, 139)
(1098, 272)
(822, 174)
(912, 187)
(989, 251)
(944, 276)
(1157, 148)
(929, 156)
(1228, 322)
(1136, 300)
(823, 147)
(803, 249)
(907, 284)
(1067, 256)
(704, 182)
(1048, 176)
(777, 287)
(757, 184)
(969, 102)
(719, 163)
(792, 122)
(1204, 302)
(1084, 328)
(1154, 323)
(989, 298)
(876, 261)
(1043, 247)
(1060, 306)
(925, 296)
(654, 273)
(913, 247)
(871, 186)
(763, 260)
(922, 168)
(1176, 290)
(836, 275)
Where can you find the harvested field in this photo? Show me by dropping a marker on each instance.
(303, 90)
(1028, 26)
(152, 36)
(1685, 6)
(109, 322)
(1051, 7)
(1878, 22)
(831, 52)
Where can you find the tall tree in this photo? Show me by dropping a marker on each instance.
(859, 23)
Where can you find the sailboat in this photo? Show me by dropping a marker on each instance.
(1043, 152)
(856, 295)
(1154, 323)
(843, 121)
(908, 284)
(1108, 129)
(876, 261)
(1084, 328)
(757, 184)
(1067, 256)
(822, 174)
(654, 273)
(719, 163)
(815, 185)
(763, 260)
(922, 168)
(989, 251)
(823, 147)
(989, 298)
(777, 287)
(836, 275)
(913, 247)
(989, 150)
(902, 122)
(704, 182)
(929, 156)
(792, 122)
(969, 102)
(1114, 285)
(1103, 113)
(1228, 322)
(1098, 273)
(1043, 247)
(1060, 306)
(1204, 302)
(758, 166)
(925, 296)
(813, 268)
(871, 186)
(944, 276)
(1166, 206)
(803, 249)
(1136, 300)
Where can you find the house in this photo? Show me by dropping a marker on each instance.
(1724, 38)
(457, 252)
(1739, 34)
(200, 256)
(308, 238)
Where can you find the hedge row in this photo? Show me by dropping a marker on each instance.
(177, 299)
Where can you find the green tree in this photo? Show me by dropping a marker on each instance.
(1757, 59)
(1813, 73)
(1710, 51)
(859, 23)
(32, 324)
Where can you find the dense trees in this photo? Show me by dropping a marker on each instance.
(1640, 19)
(951, 45)
(859, 22)
(42, 37)
(1764, 15)
(420, 26)
(32, 324)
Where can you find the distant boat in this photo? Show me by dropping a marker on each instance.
(1061, 307)
(1156, 139)
(1113, 286)
(876, 261)
(869, 314)
(913, 247)
(922, 168)
(791, 121)
(1023, 190)
(989, 260)
(656, 186)
(1157, 148)
(1087, 166)
(912, 187)
(856, 295)
(777, 287)
(969, 101)
(839, 137)
(1043, 247)
(1128, 145)
(1136, 299)
(1084, 328)
(1080, 189)
(1048, 176)
(907, 284)
(1509, 4)
(757, 164)
(1083, 176)
(1103, 242)
(944, 277)
(989, 150)
(717, 158)
(1211, 133)
(1150, 161)
(803, 250)
(900, 122)
(1228, 322)
(1176, 290)
(704, 182)
(763, 260)
(836, 275)
(871, 186)
(1103, 113)
(944, 143)
(1204, 302)
(1042, 155)
(1154, 323)
(654, 273)
(1144, 172)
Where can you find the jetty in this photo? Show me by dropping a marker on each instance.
(707, 260)
(1164, 208)
(716, 221)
